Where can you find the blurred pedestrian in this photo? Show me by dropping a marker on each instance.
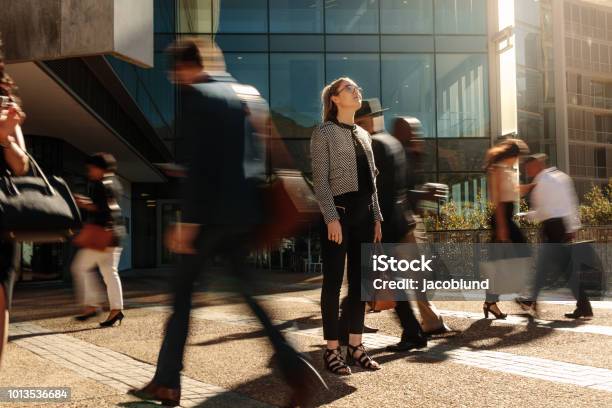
(408, 131)
(344, 176)
(502, 173)
(221, 212)
(391, 187)
(100, 242)
(555, 206)
(12, 159)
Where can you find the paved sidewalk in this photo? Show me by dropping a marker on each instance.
(116, 370)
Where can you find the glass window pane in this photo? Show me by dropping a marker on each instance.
(406, 17)
(251, 69)
(239, 16)
(295, 88)
(364, 69)
(408, 88)
(194, 16)
(463, 96)
(461, 155)
(466, 190)
(164, 16)
(352, 16)
(296, 16)
(461, 16)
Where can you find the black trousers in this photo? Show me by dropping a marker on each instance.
(357, 220)
(231, 242)
(558, 258)
(8, 268)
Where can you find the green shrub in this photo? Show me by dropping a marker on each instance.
(596, 208)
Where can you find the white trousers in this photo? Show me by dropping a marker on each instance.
(89, 292)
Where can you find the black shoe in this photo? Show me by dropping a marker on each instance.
(86, 316)
(407, 345)
(367, 329)
(579, 314)
(487, 308)
(525, 303)
(111, 321)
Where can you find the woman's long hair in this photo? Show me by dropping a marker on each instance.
(330, 110)
(505, 150)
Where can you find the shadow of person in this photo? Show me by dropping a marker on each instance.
(50, 333)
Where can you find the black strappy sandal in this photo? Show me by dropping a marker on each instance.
(335, 363)
(364, 360)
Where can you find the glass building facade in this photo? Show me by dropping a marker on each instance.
(588, 65)
(421, 58)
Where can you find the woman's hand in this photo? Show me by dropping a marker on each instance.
(377, 231)
(334, 232)
(9, 119)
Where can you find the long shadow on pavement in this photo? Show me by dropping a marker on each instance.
(29, 335)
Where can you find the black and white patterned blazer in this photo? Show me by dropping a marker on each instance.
(334, 166)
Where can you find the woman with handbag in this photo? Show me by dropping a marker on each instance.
(14, 160)
(344, 182)
(100, 241)
(501, 163)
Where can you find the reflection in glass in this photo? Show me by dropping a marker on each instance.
(296, 16)
(461, 154)
(408, 88)
(164, 17)
(194, 16)
(461, 16)
(296, 84)
(406, 17)
(251, 69)
(239, 16)
(462, 95)
(467, 190)
(351, 16)
(364, 69)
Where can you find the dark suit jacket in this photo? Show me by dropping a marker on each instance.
(214, 123)
(390, 160)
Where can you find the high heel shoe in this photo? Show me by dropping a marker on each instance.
(111, 321)
(363, 360)
(487, 307)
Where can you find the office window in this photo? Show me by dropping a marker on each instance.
(462, 97)
(467, 190)
(406, 17)
(194, 16)
(296, 16)
(461, 155)
(164, 17)
(352, 17)
(251, 69)
(239, 16)
(408, 88)
(295, 88)
(460, 16)
(364, 69)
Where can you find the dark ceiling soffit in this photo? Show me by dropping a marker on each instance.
(85, 106)
(105, 74)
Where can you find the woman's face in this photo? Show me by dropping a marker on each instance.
(348, 96)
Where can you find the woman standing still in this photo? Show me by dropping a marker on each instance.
(103, 226)
(344, 182)
(501, 164)
(14, 160)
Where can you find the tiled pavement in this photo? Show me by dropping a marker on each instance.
(510, 320)
(114, 369)
(540, 368)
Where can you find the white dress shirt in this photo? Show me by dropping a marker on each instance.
(554, 197)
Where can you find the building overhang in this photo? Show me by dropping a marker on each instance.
(54, 111)
(35, 30)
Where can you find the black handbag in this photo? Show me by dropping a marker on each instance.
(35, 208)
